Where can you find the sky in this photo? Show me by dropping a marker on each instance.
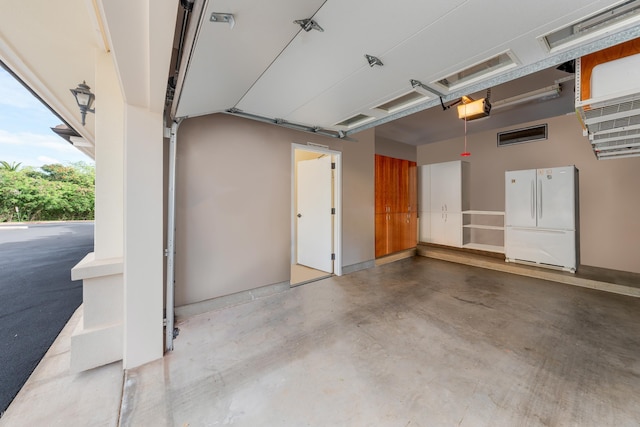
(25, 129)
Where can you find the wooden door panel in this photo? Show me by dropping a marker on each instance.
(396, 232)
(412, 231)
(382, 233)
(402, 231)
(401, 177)
(380, 180)
(413, 187)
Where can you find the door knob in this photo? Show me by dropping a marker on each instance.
(299, 215)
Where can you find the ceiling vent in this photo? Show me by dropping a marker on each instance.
(479, 71)
(402, 102)
(623, 14)
(356, 120)
(518, 136)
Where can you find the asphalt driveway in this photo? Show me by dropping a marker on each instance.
(37, 296)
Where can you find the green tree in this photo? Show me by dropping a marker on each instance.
(55, 192)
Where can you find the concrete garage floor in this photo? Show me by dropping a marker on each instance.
(418, 342)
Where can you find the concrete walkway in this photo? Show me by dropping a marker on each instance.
(418, 342)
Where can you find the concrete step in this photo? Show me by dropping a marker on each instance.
(619, 282)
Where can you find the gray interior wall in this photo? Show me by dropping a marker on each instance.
(397, 150)
(233, 204)
(358, 203)
(609, 196)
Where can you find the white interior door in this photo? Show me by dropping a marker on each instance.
(314, 213)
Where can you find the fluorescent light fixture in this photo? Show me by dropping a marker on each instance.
(474, 110)
(549, 92)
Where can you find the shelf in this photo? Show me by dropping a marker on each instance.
(484, 227)
(483, 213)
(483, 247)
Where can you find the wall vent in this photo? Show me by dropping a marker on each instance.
(401, 102)
(356, 120)
(617, 16)
(518, 136)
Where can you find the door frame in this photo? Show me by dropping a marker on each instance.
(337, 203)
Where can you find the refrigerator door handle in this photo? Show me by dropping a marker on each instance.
(533, 200)
(540, 199)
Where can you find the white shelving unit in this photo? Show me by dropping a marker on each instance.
(479, 245)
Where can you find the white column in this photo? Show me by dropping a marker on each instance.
(109, 229)
(143, 251)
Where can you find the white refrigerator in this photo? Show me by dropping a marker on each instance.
(541, 217)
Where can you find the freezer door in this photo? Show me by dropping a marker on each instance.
(556, 198)
(520, 198)
(552, 247)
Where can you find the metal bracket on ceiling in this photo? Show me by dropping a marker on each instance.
(224, 18)
(372, 60)
(418, 84)
(308, 25)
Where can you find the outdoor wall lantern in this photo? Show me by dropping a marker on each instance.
(84, 98)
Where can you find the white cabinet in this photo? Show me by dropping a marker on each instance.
(443, 195)
(447, 186)
(446, 228)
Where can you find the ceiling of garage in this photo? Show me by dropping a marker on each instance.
(267, 67)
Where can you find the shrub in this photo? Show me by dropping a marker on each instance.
(55, 192)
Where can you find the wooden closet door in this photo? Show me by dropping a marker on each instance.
(413, 187)
(382, 234)
(395, 204)
(385, 184)
(379, 184)
(401, 185)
